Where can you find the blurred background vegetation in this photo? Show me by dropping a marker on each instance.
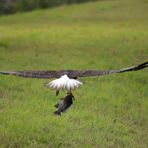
(109, 112)
(12, 6)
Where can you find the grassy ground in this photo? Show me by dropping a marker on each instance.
(109, 111)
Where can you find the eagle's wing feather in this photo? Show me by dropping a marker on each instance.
(34, 74)
(71, 73)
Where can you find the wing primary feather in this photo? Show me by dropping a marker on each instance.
(134, 68)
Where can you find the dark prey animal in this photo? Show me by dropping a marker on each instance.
(64, 104)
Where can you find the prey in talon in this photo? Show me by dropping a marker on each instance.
(64, 104)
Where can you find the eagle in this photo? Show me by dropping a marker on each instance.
(67, 80)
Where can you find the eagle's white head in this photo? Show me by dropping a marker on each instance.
(64, 83)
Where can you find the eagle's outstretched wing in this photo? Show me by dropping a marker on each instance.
(71, 73)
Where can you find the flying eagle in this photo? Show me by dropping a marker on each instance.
(66, 80)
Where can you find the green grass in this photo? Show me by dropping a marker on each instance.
(109, 111)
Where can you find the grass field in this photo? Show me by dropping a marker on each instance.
(109, 111)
